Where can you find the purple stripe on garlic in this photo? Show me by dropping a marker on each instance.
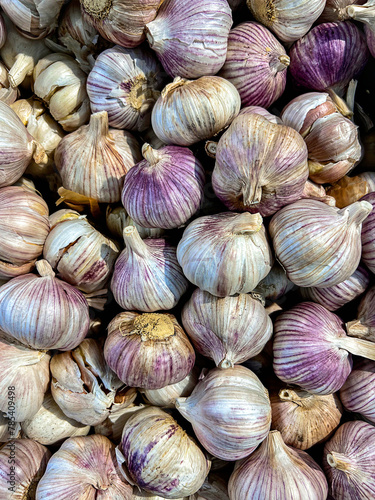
(368, 234)
(358, 392)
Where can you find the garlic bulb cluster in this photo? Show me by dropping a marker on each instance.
(7, 93)
(147, 276)
(364, 326)
(149, 350)
(55, 314)
(260, 166)
(229, 330)
(318, 245)
(165, 189)
(152, 441)
(60, 82)
(179, 26)
(94, 160)
(230, 412)
(357, 392)
(166, 396)
(206, 249)
(276, 470)
(368, 234)
(117, 219)
(189, 111)
(84, 467)
(126, 83)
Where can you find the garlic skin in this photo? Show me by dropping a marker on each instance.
(7, 93)
(166, 396)
(157, 281)
(50, 425)
(189, 111)
(80, 255)
(61, 84)
(117, 219)
(126, 83)
(113, 425)
(336, 10)
(364, 326)
(368, 234)
(230, 412)
(304, 419)
(229, 330)
(258, 110)
(153, 441)
(84, 467)
(94, 160)
(348, 461)
(370, 39)
(24, 228)
(9, 429)
(276, 470)
(55, 314)
(350, 189)
(357, 394)
(260, 166)
(149, 351)
(22, 464)
(256, 64)
(165, 189)
(275, 285)
(27, 370)
(318, 245)
(3, 31)
(186, 46)
(206, 249)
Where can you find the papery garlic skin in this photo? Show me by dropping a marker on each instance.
(84, 467)
(113, 425)
(152, 441)
(277, 471)
(126, 83)
(275, 285)
(348, 461)
(370, 39)
(229, 330)
(27, 371)
(117, 219)
(357, 394)
(166, 396)
(149, 351)
(258, 110)
(157, 281)
(8, 429)
(368, 234)
(336, 10)
(3, 31)
(259, 166)
(189, 111)
(230, 412)
(364, 326)
(208, 245)
(318, 245)
(165, 189)
(7, 93)
(54, 315)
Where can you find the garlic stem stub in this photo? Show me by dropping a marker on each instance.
(336, 10)
(364, 326)
(117, 219)
(357, 394)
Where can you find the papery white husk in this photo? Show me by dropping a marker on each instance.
(7, 93)
(113, 425)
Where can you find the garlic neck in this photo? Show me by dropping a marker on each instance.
(134, 242)
(44, 268)
(356, 212)
(340, 104)
(357, 329)
(98, 9)
(22, 67)
(364, 13)
(150, 154)
(339, 461)
(153, 326)
(142, 96)
(280, 63)
(246, 223)
(177, 82)
(275, 446)
(251, 194)
(299, 397)
(98, 126)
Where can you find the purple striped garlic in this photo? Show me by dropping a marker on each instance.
(348, 462)
(358, 392)
(260, 166)
(256, 64)
(149, 351)
(258, 110)
(312, 350)
(364, 326)
(229, 330)
(165, 189)
(370, 39)
(368, 234)
(152, 441)
(276, 470)
(230, 412)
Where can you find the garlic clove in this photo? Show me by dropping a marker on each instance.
(113, 425)
(7, 93)
(117, 219)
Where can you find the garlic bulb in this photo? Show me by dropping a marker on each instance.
(7, 93)
(336, 10)
(189, 111)
(275, 285)
(3, 31)
(258, 110)
(165, 189)
(157, 281)
(348, 461)
(336, 296)
(22, 464)
(208, 246)
(260, 166)
(83, 385)
(120, 21)
(318, 245)
(368, 234)
(191, 38)
(117, 219)
(50, 425)
(256, 64)
(55, 315)
(80, 254)
(370, 39)
(229, 330)
(214, 488)
(149, 351)
(166, 396)
(84, 467)
(311, 349)
(304, 419)
(357, 394)
(289, 21)
(364, 326)
(24, 228)
(276, 470)
(33, 18)
(60, 82)
(230, 412)
(113, 425)
(24, 381)
(126, 83)
(9, 429)
(94, 159)
(152, 442)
